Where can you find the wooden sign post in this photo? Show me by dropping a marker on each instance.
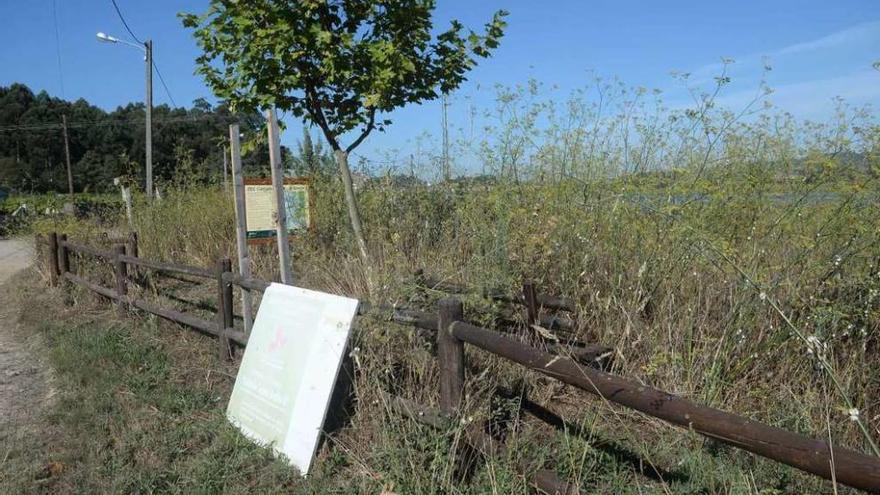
(244, 256)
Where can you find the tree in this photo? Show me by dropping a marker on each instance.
(339, 64)
(312, 159)
(32, 145)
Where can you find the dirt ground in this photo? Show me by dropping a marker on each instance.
(24, 381)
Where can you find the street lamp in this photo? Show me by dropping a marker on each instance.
(147, 47)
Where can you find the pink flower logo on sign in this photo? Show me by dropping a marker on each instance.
(279, 341)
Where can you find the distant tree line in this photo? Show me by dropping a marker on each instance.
(188, 143)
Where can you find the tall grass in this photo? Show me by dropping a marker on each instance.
(729, 257)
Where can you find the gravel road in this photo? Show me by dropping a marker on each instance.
(23, 381)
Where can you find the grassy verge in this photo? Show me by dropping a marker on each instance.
(140, 409)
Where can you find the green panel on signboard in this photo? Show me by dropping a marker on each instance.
(296, 204)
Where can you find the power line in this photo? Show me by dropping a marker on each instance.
(110, 122)
(121, 18)
(158, 72)
(162, 80)
(58, 48)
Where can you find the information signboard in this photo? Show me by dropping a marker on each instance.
(289, 368)
(261, 207)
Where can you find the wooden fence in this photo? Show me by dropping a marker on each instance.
(581, 365)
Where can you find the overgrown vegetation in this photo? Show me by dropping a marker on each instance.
(732, 260)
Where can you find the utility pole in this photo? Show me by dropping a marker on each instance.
(225, 172)
(148, 46)
(447, 173)
(278, 185)
(67, 155)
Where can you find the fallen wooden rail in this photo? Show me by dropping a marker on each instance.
(544, 300)
(108, 293)
(813, 456)
(206, 326)
(544, 480)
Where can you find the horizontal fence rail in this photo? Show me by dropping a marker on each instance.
(197, 323)
(82, 248)
(586, 353)
(248, 283)
(168, 267)
(59, 266)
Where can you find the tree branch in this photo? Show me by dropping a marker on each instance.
(370, 126)
(314, 108)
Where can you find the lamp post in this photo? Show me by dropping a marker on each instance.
(147, 47)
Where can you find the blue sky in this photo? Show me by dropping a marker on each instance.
(818, 49)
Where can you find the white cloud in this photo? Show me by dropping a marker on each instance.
(814, 99)
(867, 33)
(854, 34)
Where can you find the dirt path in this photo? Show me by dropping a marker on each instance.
(23, 381)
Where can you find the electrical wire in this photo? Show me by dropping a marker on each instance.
(121, 18)
(155, 66)
(162, 80)
(110, 122)
(58, 48)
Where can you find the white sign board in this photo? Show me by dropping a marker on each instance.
(289, 368)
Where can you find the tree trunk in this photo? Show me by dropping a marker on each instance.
(353, 214)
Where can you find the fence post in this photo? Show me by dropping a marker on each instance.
(52, 254)
(530, 297)
(63, 255)
(121, 277)
(450, 356)
(132, 244)
(38, 252)
(131, 249)
(224, 306)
